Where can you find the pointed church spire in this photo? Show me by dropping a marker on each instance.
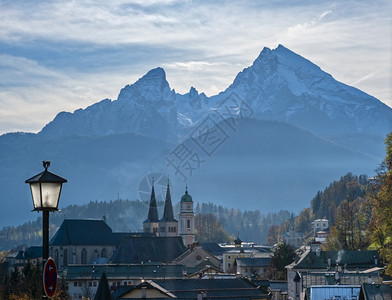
(168, 210)
(153, 209)
(103, 292)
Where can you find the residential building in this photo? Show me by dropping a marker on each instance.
(32, 254)
(254, 267)
(349, 292)
(331, 267)
(320, 225)
(372, 291)
(195, 257)
(241, 250)
(83, 280)
(234, 288)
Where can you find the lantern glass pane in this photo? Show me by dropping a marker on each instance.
(50, 194)
(36, 194)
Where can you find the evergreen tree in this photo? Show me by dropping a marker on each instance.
(379, 231)
(284, 255)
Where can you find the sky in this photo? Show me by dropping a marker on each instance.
(61, 55)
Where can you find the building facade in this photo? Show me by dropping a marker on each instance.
(187, 219)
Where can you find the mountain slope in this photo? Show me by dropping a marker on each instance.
(288, 129)
(266, 165)
(280, 85)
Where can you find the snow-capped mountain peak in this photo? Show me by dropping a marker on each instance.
(279, 85)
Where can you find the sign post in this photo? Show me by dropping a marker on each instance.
(50, 277)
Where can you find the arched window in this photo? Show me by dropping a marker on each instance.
(84, 257)
(188, 224)
(56, 256)
(103, 253)
(65, 258)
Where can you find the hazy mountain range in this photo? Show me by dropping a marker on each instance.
(281, 131)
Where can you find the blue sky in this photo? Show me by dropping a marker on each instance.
(62, 55)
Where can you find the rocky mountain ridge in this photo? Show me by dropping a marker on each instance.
(280, 85)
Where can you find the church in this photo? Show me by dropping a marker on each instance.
(168, 226)
(91, 241)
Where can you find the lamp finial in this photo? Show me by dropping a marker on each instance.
(46, 164)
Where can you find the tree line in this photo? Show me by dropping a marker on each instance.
(128, 215)
(359, 210)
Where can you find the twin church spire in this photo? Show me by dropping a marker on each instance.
(168, 225)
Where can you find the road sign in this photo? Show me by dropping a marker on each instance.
(50, 277)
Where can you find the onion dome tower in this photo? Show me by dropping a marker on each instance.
(187, 219)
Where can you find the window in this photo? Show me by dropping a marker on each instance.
(65, 258)
(84, 256)
(188, 224)
(56, 256)
(103, 253)
(75, 283)
(229, 265)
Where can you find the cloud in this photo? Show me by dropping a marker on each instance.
(69, 54)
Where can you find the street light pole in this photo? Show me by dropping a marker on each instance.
(45, 190)
(45, 235)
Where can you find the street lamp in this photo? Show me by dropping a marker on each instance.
(45, 189)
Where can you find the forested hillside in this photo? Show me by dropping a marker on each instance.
(359, 210)
(126, 215)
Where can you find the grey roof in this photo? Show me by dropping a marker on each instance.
(168, 215)
(132, 271)
(332, 291)
(351, 259)
(83, 232)
(34, 252)
(31, 253)
(278, 285)
(153, 209)
(213, 248)
(376, 292)
(345, 278)
(254, 261)
(235, 288)
(153, 249)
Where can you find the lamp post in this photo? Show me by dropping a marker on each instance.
(45, 190)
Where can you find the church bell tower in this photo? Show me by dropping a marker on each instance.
(187, 220)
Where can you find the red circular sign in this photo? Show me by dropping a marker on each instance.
(50, 277)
